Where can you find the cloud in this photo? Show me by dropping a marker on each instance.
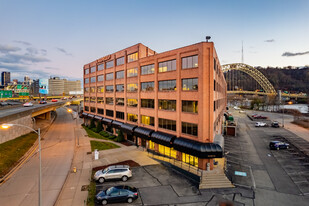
(64, 51)
(51, 68)
(32, 51)
(7, 48)
(19, 58)
(43, 52)
(269, 40)
(23, 42)
(290, 54)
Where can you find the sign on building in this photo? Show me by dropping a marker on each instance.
(43, 86)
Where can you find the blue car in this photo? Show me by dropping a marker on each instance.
(119, 193)
(278, 145)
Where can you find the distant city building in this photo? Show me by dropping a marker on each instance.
(15, 81)
(27, 80)
(5, 78)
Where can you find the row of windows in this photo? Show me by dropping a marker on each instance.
(187, 106)
(218, 87)
(187, 128)
(218, 103)
(170, 65)
(168, 85)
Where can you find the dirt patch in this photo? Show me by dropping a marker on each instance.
(131, 163)
(126, 143)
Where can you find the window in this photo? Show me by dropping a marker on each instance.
(120, 75)
(132, 72)
(92, 109)
(189, 159)
(86, 89)
(92, 69)
(100, 67)
(86, 108)
(109, 76)
(165, 104)
(148, 69)
(100, 111)
(120, 61)
(119, 115)
(132, 117)
(86, 80)
(86, 99)
(92, 99)
(100, 78)
(189, 84)
(132, 102)
(92, 89)
(151, 145)
(167, 124)
(109, 88)
(100, 100)
(86, 71)
(169, 85)
(119, 88)
(109, 113)
(132, 87)
(190, 106)
(189, 128)
(167, 66)
(147, 120)
(92, 79)
(109, 100)
(189, 62)
(109, 64)
(147, 103)
(167, 151)
(100, 89)
(120, 101)
(133, 57)
(147, 86)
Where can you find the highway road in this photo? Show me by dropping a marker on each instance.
(9, 111)
(57, 154)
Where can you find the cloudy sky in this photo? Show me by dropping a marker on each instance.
(56, 38)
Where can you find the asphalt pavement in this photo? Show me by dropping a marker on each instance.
(57, 154)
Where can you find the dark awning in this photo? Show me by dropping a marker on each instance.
(128, 128)
(163, 138)
(198, 149)
(107, 121)
(116, 124)
(98, 117)
(90, 115)
(85, 114)
(143, 132)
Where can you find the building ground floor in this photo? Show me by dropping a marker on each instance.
(202, 156)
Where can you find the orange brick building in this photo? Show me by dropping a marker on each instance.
(171, 103)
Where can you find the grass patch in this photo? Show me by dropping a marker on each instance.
(91, 191)
(102, 145)
(11, 151)
(94, 134)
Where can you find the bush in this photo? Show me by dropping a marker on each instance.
(99, 127)
(120, 137)
(92, 124)
(104, 134)
(94, 129)
(112, 137)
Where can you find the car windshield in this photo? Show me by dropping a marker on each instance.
(110, 190)
(105, 170)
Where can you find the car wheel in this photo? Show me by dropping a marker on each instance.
(104, 202)
(287, 147)
(101, 180)
(278, 148)
(129, 200)
(124, 178)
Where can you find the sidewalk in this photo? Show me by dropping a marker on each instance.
(71, 193)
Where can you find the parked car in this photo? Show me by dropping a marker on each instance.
(237, 108)
(242, 111)
(122, 172)
(278, 145)
(260, 124)
(42, 102)
(54, 100)
(28, 104)
(275, 124)
(119, 193)
(2, 104)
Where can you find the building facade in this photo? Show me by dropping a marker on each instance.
(172, 103)
(5, 78)
(59, 86)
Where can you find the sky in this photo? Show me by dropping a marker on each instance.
(43, 38)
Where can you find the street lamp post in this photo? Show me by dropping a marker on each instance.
(6, 126)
